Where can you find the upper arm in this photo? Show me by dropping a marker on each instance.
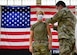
(56, 17)
(31, 33)
(48, 30)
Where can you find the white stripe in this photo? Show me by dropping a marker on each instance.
(15, 36)
(33, 22)
(14, 43)
(49, 9)
(22, 36)
(45, 16)
(44, 9)
(22, 43)
(54, 36)
(53, 30)
(15, 29)
(55, 43)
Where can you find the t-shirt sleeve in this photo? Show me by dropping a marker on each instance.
(32, 28)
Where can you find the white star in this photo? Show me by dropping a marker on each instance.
(28, 12)
(22, 20)
(28, 24)
(25, 13)
(15, 14)
(18, 12)
(15, 18)
(5, 10)
(22, 24)
(13, 8)
(10, 10)
(28, 20)
(23, 8)
(23, 16)
(2, 7)
(5, 13)
(4, 22)
(12, 24)
(7, 20)
(18, 8)
(2, 19)
(2, 15)
(12, 16)
(18, 16)
(28, 7)
(7, 16)
(28, 16)
(2, 11)
(15, 22)
(25, 22)
(12, 20)
(7, 24)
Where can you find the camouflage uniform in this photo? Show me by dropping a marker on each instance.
(40, 44)
(66, 29)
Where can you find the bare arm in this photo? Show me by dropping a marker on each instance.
(31, 38)
(50, 36)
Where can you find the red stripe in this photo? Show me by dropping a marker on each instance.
(55, 46)
(49, 13)
(15, 40)
(22, 40)
(70, 7)
(55, 40)
(43, 7)
(14, 47)
(33, 19)
(54, 33)
(22, 33)
(20, 47)
(15, 33)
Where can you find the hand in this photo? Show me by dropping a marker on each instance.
(49, 46)
(30, 49)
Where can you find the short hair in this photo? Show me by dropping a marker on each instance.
(41, 12)
(60, 3)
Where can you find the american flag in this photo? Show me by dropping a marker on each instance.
(16, 22)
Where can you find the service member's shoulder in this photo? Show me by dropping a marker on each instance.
(35, 24)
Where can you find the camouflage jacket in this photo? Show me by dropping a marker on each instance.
(66, 23)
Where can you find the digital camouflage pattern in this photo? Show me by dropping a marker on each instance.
(66, 30)
(40, 44)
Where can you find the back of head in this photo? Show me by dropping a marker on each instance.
(61, 3)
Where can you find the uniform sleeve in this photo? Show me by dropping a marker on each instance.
(55, 18)
(32, 28)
